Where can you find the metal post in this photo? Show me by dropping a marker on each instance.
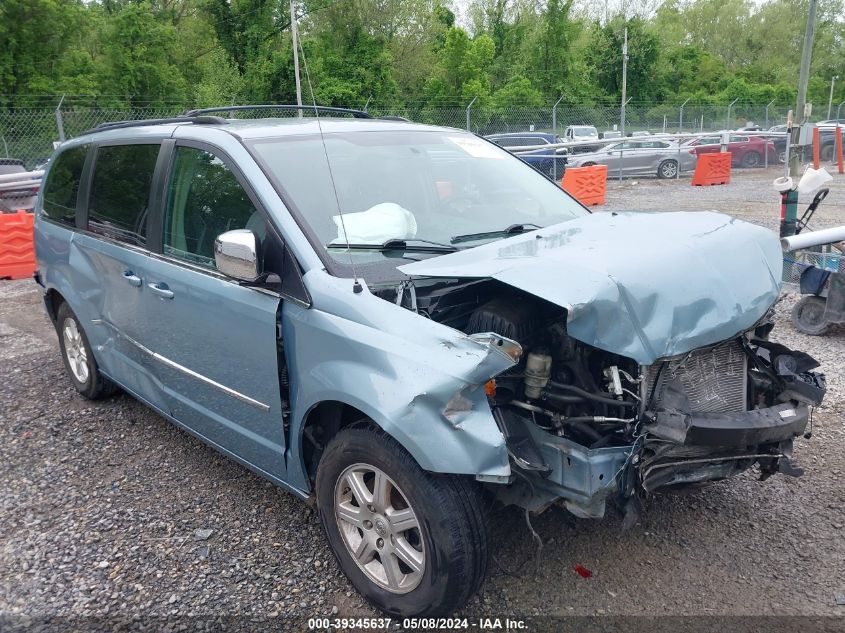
(830, 99)
(767, 112)
(681, 117)
(622, 151)
(367, 105)
(60, 123)
(295, 56)
(5, 147)
(624, 86)
(469, 107)
(554, 116)
(728, 119)
(664, 124)
(803, 80)
(838, 108)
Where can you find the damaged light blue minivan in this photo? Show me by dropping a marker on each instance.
(397, 319)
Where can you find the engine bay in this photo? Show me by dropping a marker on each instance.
(679, 421)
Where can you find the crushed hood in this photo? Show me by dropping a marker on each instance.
(643, 285)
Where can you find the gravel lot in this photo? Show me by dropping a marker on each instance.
(107, 508)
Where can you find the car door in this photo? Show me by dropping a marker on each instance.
(108, 259)
(215, 342)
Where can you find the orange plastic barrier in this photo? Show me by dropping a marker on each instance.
(839, 160)
(587, 184)
(816, 148)
(712, 169)
(17, 254)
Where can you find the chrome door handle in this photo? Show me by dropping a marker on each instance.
(161, 290)
(132, 278)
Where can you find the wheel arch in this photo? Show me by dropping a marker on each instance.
(320, 424)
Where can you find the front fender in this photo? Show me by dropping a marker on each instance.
(420, 381)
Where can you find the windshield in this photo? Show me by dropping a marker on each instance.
(424, 188)
(584, 131)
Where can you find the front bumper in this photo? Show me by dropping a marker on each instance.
(676, 449)
(734, 430)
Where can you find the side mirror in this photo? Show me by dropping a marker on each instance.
(236, 255)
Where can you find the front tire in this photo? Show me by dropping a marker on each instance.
(413, 543)
(79, 361)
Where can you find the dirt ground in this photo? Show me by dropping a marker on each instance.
(107, 508)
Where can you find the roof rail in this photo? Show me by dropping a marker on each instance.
(115, 125)
(358, 114)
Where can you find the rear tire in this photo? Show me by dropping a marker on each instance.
(808, 315)
(80, 364)
(751, 159)
(435, 521)
(667, 169)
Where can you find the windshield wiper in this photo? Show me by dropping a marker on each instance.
(513, 229)
(399, 244)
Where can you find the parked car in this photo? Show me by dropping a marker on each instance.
(746, 150)
(395, 320)
(550, 161)
(827, 139)
(15, 199)
(610, 135)
(640, 157)
(581, 133)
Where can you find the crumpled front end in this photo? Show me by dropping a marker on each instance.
(701, 417)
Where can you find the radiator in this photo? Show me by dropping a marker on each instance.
(714, 379)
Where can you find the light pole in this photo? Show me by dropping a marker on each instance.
(830, 99)
(624, 79)
(294, 39)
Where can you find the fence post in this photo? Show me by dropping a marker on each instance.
(367, 105)
(5, 147)
(59, 121)
(681, 117)
(838, 108)
(469, 108)
(728, 120)
(554, 116)
(767, 112)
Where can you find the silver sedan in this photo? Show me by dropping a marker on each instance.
(639, 157)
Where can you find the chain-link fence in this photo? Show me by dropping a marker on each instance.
(30, 133)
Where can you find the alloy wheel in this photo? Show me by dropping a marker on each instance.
(379, 528)
(75, 351)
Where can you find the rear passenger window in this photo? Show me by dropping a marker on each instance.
(204, 199)
(120, 191)
(62, 185)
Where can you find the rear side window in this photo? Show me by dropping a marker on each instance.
(120, 192)
(204, 199)
(62, 185)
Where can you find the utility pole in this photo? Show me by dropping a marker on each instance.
(295, 40)
(624, 78)
(803, 80)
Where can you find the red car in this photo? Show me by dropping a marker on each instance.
(746, 151)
